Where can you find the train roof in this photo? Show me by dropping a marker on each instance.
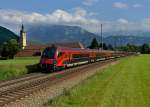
(78, 49)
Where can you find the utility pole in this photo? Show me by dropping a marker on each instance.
(102, 36)
(115, 43)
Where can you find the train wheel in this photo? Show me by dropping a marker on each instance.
(54, 68)
(89, 61)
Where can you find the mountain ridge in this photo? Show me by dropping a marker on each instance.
(6, 34)
(61, 33)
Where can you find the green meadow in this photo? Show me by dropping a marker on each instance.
(13, 68)
(126, 84)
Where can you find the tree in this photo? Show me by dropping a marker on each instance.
(13, 48)
(94, 44)
(145, 49)
(10, 48)
(105, 46)
(110, 47)
(0, 49)
(129, 48)
(5, 50)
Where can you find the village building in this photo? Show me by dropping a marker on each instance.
(30, 49)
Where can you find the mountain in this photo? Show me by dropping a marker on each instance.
(6, 35)
(123, 40)
(128, 33)
(59, 33)
(64, 33)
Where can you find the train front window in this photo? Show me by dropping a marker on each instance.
(60, 54)
(49, 53)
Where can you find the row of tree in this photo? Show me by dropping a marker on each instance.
(9, 49)
(96, 45)
(144, 49)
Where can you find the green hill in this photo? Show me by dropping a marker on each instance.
(6, 35)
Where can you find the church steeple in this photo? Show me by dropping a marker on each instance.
(22, 28)
(23, 40)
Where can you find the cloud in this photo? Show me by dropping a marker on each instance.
(78, 16)
(13, 19)
(146, 23)
(137, 6)
(120, 5)
(89, 2)
(12, 16)
(123, 21)
(93, 14)
(125, 25)
(80, 11)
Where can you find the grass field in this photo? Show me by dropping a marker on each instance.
(126, 84)
(20, 61)
(16, 67)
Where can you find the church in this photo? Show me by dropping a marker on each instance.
(29, 49)
(23, 38)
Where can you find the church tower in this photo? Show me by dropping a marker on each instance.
(23, 39)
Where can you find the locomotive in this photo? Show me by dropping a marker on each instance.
(54, 58)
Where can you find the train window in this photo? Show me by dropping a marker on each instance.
(60, 54)
(79, 55)
(49, 53)
(76, 55)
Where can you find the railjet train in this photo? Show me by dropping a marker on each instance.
(54, 58)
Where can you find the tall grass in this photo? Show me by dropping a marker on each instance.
(16, 67)
(126, 84)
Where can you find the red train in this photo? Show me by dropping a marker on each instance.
(54, 58)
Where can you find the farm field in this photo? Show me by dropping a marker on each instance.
(125, 84)
(16, 67)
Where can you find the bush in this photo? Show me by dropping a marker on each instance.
(9, 49)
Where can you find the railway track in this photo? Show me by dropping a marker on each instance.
(11, 91)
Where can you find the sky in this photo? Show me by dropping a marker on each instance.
(115, 15)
